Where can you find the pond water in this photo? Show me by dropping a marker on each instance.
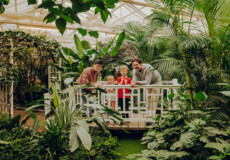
(129, 143)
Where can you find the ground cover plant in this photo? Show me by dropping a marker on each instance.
(192, 132)
(18, 143)
(66, 135)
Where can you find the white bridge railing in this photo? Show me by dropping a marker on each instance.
(143, 105)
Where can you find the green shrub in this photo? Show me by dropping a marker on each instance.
(54, 145)
(103, 147)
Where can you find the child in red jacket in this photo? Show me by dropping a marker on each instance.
(123, 80)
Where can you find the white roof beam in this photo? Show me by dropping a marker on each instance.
(137, 10)
(138, 3)
(43, 26)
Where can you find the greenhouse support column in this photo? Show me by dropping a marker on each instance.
(49, 76)
(12, 83)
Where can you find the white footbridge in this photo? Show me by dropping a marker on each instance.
(144, 106)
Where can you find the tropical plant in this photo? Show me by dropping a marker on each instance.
(61, 14)
(187, 40)
(17, 142)
(2, 4)
(192, 132)
(145, 39)
(63, 120)
(75, 61)
(191, 43)
(66, 119)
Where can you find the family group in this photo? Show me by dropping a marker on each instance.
(142, 74)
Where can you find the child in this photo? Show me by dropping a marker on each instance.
(111, 99)
(123, 80)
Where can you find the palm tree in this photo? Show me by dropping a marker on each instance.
(195, 44)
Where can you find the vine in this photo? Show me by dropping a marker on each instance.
(31, 57)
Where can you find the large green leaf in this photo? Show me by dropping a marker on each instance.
(100, 4)
(218, 146)
(66, 17)
(73, 138)
(200, 96)
(226, 93)
(100, 124)
(111, 3)
(2, 9)
(83, 123)
(84, 137)
(104, 15)
(78, 45)
(82, 31)
(70, 52)
(120, 40)
(54, 10)
(55, 95)
(93, 34)
(109, 45)
(213, 131)
(50, 17)
(171, 96)
(31, 2)
(61, 25)
(86, 45)
(35, 127)
(4, 142)
(186, 140)
(34, 106)
(75, 18)
(6, 2)
(97, 10)
(46, 4)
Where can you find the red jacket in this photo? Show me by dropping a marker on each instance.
(120, 91)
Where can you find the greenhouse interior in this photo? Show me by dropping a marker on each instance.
(114, 79)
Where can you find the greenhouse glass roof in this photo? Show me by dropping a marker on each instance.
(19, 16)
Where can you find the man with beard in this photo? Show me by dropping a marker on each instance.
(145, 74)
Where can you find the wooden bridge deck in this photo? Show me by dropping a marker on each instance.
(134, 126)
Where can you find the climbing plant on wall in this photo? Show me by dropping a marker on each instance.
(31, 57)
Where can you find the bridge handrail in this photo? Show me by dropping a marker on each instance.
(138, 108)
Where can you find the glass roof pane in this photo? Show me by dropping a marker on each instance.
(32, 20)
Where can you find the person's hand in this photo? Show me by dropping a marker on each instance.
(133, 84)
(98, 85)
(125, 80)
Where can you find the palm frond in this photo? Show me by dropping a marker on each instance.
(214, 101)
(218, 118)
(194, 41)
(167, 66)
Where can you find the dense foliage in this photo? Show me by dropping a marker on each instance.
(189, 133)
(3, 3)
(18, 143)
(31, 57)
(62, 14)
(188, 40)
(75, 61)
